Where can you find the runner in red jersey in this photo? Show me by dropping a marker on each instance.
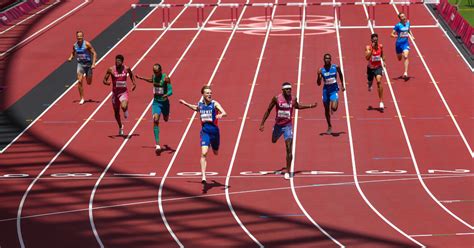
(284, 104)
(119, 74)
(374, 54)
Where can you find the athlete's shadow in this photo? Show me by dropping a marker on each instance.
(87, 101)
(125, 136)
(333, 134)
(207, 186)
(164, 148)
(370, 108)
(402, 78)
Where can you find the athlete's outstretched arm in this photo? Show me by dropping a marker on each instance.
(303, 106)
(130, 74)
(221, 110)
(320, 77)
(149, 80)
(267, 113)
(93, 52)
(106, 77)
(191, 106)
(341, 77)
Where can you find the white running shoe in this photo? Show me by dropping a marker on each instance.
(121, 131)
(125, 114)
(81, 101)
(158, 147)
(287, 175)
(381, 105)
(203, 181)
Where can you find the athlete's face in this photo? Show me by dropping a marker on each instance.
(80, 37)
(156, 70)
(327, 60)
(375, 40)
(402, 18)
(118, 62)
(207, 95)
(287, 92)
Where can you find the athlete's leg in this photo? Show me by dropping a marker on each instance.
(328, 116)
(80, 75)
(166, 110)
(116, 106)
(276, 133)
(405, 62)
(156, 128)
(204, 150)
(379, 86)
(289, 154)
(370, 78)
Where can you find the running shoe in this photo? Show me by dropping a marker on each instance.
(121, 131)
(329, 131)
(81, 101)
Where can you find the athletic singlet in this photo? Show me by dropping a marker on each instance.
(83, 55)
(119, 80)
(403, 31)
(284, 110)
(329, 76)
(160, 87)
(207, 113)
(375, 60)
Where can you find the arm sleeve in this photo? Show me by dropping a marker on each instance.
(170, 90)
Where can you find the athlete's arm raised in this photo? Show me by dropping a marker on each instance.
(191, 106)
(303, 106)
(221, 110)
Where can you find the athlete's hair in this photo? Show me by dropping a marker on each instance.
(77, 32)
(399, 14)
(374, 35)
(205, 87)
(157, 65)
(327, 54)
(120, 56)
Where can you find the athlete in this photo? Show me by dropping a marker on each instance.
(402, 32)
(209, 111)
(328, 74)
(374, 54)
(119, 73)
(162, 90)
(284, 104)
(86, 59)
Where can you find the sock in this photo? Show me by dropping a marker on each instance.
(156, 131)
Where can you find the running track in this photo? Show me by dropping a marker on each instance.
(401, 178)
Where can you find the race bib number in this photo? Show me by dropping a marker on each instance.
(206, 117)
(159, 90)
(404, 34)
(331, 80)
(121, 84)
(376, 58)
(284, 114)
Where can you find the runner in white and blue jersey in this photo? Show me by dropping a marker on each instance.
(328, 74)
(86, 58)
(402, 32)
(209, 111)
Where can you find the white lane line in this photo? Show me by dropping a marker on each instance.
(442, 234)
(25, 195)
(293, 148)
(170, 165)
(220, 194)
(72, 86)
(29, 17)
(109, 165)
(448, 37)
(415, 163)
(44, 28)
(242, 125)
(353, 159)
(441, 96)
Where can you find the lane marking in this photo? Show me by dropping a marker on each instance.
(217, 194)
(412, 153)
(442, 234)
(25, 195)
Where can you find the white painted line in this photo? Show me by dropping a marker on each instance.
(109, 165)
(415, 163)
(25, 195)
(441, 235)
(354, 166)
(217, 194)
(72, 86)
(442, 98)
(175, 154)
(44, 28)
(241, 129)
(293, 148)
(29, 17)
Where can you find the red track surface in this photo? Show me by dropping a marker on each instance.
(127, 212)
